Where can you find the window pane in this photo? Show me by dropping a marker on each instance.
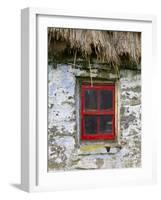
(90, 124)
(105, 99)
(105, 124)
(91, 99)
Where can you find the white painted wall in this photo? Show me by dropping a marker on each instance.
(10, 98)
(64, 151)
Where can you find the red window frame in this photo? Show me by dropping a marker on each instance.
(98, 112)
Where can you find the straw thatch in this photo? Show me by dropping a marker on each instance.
(107, 46)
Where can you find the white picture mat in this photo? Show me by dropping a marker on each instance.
(93, 178)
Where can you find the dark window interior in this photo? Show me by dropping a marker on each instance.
(91, 99)
(105, 99)
(105, 124)
(90, 124)
(98, 113)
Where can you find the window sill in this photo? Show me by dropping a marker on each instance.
(98, 148)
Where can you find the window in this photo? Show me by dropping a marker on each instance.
(98, 112)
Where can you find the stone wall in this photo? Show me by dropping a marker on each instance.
(65, 149)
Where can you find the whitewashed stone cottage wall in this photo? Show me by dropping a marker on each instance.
(66, 151)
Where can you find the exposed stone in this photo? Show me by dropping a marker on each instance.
(60, 151)
(114, 150)
(124, 152)
(87, 162)
(99, 162)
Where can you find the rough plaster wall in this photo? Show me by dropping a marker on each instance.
(64, 153)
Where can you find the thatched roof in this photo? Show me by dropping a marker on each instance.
(106, 46)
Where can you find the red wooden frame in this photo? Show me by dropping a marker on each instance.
(98, 112)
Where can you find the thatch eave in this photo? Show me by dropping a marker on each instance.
(111, 47)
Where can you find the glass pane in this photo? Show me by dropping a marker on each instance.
(91, 99)
(90, 124)
(105, 124)
(105, 99)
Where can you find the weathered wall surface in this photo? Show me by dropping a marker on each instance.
(65, 150)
